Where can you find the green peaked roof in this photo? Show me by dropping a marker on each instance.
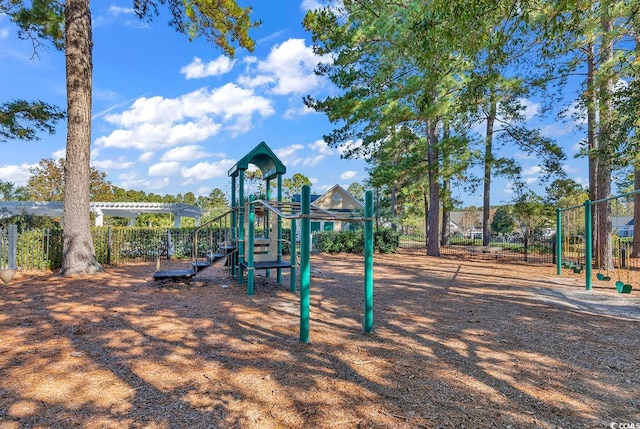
(263, 157)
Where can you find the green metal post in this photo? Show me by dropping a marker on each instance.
(234, 225)
(240, 225)
(250, 233)
(368, 262)
(305, 269)
(267, 222)
(279, 197)
(559, 241)
(588, 244)
(292, 284)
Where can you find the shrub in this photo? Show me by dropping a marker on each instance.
(385, 241)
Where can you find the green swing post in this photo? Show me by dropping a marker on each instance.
(305, 269)
(559, 241)
(368, 262)
(279, 246)
(239, 274)
(292, 282)
(588, 245)
(234, 226)
(251, 232)
(267, 222)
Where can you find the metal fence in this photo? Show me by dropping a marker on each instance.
(41, 249)
(538, 250)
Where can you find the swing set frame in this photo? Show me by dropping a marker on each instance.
(588, 241)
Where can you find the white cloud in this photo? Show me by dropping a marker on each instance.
(531, 109)
(118, 164)
(207, 170)
(348, 175)
(532, 170)
(289, 154)
(320, 188)
(203, 190)
(4, 33)
(508, 189)
(351, 145)
(289, 67)
(556, 129)
(255, 81)
(322, 147)
(60, 153)
(581, 181)
(131, 180)
(185, 153)
(158, 122)
(121, 15)
(530, 180)
(197, 69)
(576, 113)
(167, 168)
(524, 156)
(146, 157)
(117, 11)
(250, 59)
(297, 110)
(312, 161)
(271, 37)
(16, 174)
(310, 5)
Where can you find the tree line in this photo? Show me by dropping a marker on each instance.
(416, 78)
(46, 183)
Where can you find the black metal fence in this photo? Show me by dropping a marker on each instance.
(538, 250)
(41, 249)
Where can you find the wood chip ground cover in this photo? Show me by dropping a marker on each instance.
(457, 343)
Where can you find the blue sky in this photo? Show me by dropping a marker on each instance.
(172, 116)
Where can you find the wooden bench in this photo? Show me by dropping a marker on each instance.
(491, 251)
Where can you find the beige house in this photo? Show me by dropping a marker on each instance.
(339, 202)
(336, 200)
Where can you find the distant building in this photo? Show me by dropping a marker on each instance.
(622, 226)
(102, 209)
(336, 200)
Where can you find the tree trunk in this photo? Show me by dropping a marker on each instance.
(433, 242)
(592, 145)
(604, 227)
(445, 235)
(394, 207)
(635, 253)
(488, 164)
(425, 198)
(78, 256)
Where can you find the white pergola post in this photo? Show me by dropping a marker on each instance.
(99, 217)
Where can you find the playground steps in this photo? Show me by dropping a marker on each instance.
(197, 266)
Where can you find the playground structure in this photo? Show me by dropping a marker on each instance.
(233, 237)
(578, 248)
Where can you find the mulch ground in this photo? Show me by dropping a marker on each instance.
(464, 343)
